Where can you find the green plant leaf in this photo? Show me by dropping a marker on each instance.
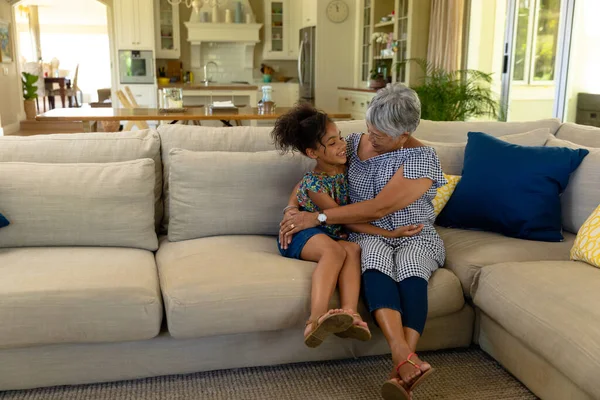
(454, 95)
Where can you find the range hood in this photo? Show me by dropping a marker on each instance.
(199, 32)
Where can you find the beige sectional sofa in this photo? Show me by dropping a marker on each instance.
(201, 297)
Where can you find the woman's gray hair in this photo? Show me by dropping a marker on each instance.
(394, 110)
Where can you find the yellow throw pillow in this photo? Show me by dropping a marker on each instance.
(444, 193)
(587, 243)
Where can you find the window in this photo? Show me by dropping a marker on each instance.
(536, 40)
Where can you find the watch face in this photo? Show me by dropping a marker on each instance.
(322, 217)
(337, 11)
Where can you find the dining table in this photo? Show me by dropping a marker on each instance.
(64, 83)
(91, 116)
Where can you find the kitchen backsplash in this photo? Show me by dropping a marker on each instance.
(230, 60)
(223, 55)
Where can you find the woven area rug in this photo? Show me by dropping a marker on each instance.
(460, 374)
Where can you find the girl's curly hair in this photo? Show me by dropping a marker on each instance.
(300, 129)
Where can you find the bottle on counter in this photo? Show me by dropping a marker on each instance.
(266, 104)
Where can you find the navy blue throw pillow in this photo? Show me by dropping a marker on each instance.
(3, 221)
(510, 189)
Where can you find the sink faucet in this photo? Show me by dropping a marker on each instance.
(206, 78)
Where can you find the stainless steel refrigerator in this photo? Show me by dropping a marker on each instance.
(306, 64)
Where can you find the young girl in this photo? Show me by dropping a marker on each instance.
(312, 133)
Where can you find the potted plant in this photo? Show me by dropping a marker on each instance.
(376, 80)
(454, 95)
(29, 94)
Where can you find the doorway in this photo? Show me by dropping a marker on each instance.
(525, 44)
(66, 39)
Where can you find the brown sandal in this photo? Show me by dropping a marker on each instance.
(393, 390)
(356, 331)
(329, 323)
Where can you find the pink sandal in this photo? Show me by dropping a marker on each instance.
(393, 390)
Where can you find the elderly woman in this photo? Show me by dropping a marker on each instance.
(393, 179)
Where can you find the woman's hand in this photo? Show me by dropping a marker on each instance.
(294, 222)
(289, 211)
(406, 231)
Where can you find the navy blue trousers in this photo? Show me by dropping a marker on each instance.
(408, 297)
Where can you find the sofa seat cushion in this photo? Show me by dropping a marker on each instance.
(240, 284)
(468, 251)
(552, 307)
(77, 295)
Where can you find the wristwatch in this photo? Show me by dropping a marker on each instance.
(322, 219)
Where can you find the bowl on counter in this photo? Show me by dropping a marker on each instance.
(164, 81)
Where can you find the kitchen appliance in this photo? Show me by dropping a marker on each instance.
(136, 66)
(306, 64)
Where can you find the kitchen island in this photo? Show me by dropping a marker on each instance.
(90, 116)
(198, 94)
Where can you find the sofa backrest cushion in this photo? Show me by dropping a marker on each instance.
(456, 131)
(230, 193)
(452, 155)
(579, 134)
(88, 148)
(235, 139)
(103, 204)
(582, 195)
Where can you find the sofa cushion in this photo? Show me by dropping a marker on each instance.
(552, 308)
(587, 243)
(108, 204)
(444, 193)
(582, 195)
(94, 147)
(580, 134)
(209, 289)
(452, 155)
(77, 294)
(469, 251)
(456, 131)
(233, 139)
(511, 189)
(222, 193)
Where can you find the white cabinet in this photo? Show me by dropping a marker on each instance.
(134, 24)
(281, 30)
(309, 13)
(167, 30)
(145, 95)
(355, 102)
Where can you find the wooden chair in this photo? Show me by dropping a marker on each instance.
(130, 103)
(70, 93)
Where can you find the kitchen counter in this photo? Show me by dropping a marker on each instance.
(212, 86)
(367, 90)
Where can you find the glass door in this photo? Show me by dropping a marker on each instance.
(366, 41)
(535, 32)
(277, 25)
(524, 44)
(582, 101)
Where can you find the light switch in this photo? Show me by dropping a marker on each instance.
(5, 71)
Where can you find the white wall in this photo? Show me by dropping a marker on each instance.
(584, 63)
(335, 55)
(11, 97)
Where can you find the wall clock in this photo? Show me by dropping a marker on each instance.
(337, 11)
